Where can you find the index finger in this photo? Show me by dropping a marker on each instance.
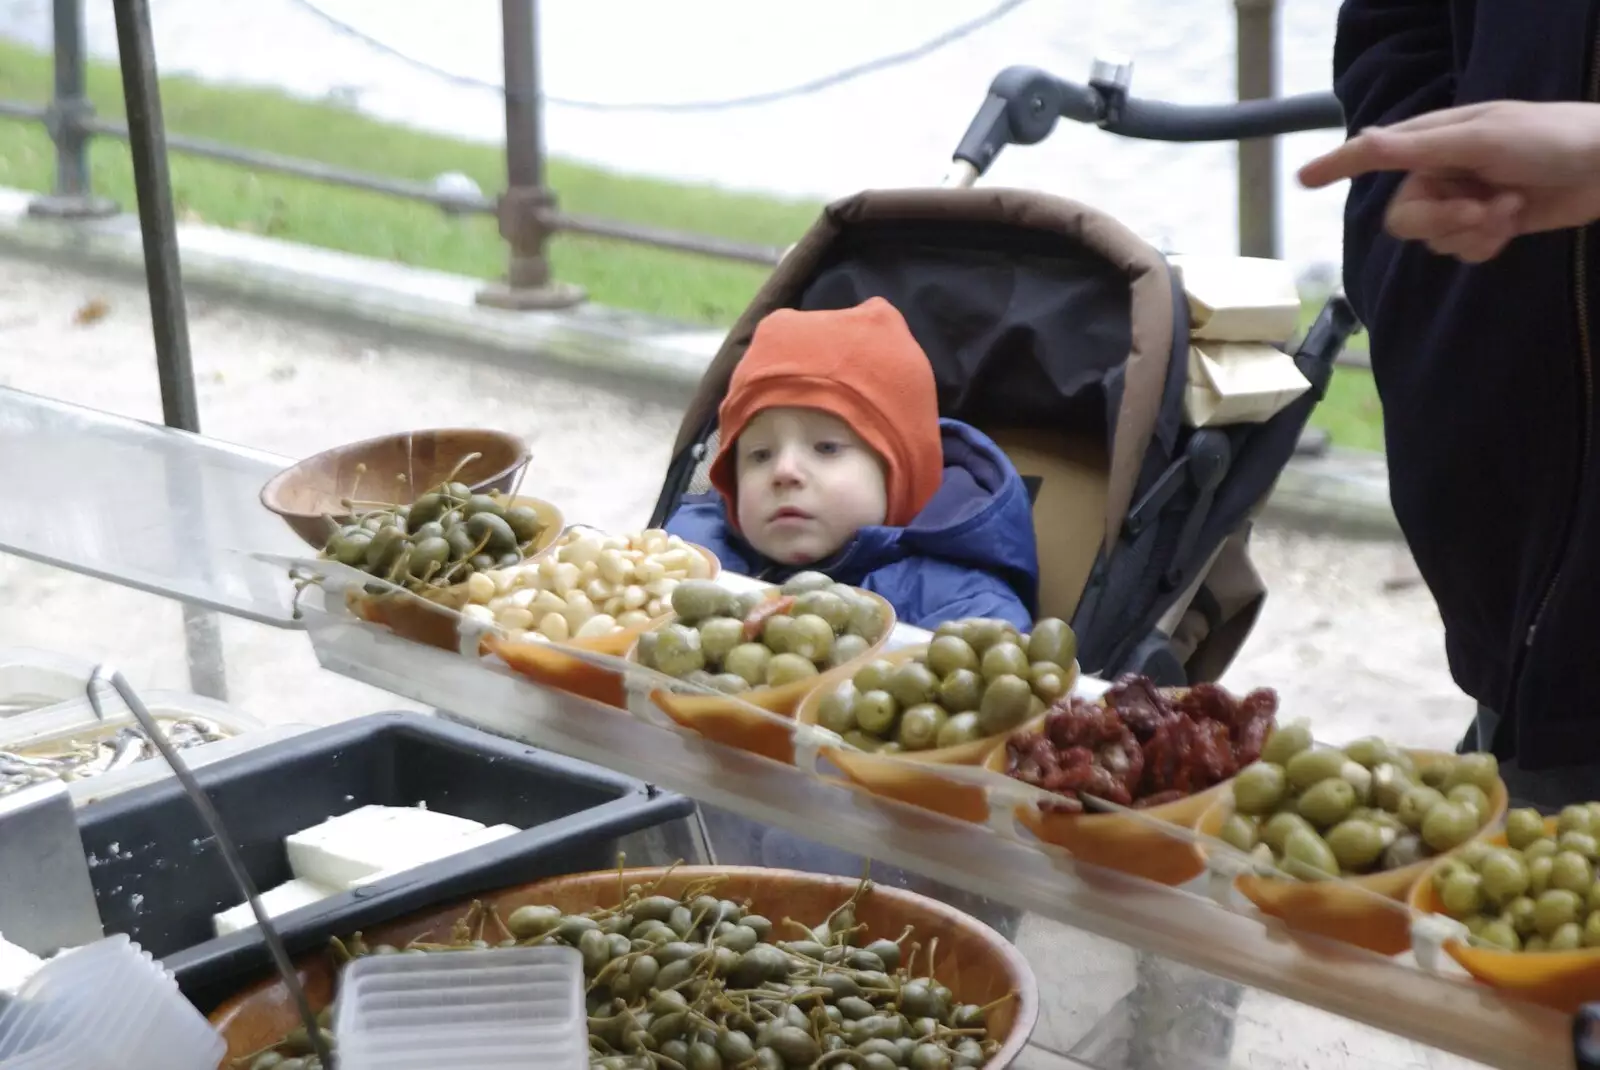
(1358, 156)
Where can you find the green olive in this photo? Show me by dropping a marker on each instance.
(1050, 681)
(1259, 788)
(1472, 797)
(1533, 943)
(1581, 842)
(875, 712)
(1480, 769)
(1543, 847)
(1004, 659)
(1554, 908)
(1369, 751)
(867, 620)
(1448, 825)
(1241, 831)
(847, 648)
(1501, 935)
(695, 600)
(960, 728)
(836, 711)
(1406, 850)
(805, 582)
(1568, 937)
(677, 650)
(961, 691)
(920, 726)
(1005, 704)
(827, 605)
(1505, 876)
(748, 660)
(1356, 844)
(981, 633)
(1389, 786)
(1591, 929)
(812, 638)
(1327, 802)
(1462, 894)
(1277, 829)
(874, 675)
(1307, 856)
(912, 684)
(777, 632)
(1524, 827)
(1310, 767)
(1053, 640)
(947, 653)
(1416, 804)
(1519, 914)
(1358, 777)
(1286, 741)
(785, 669)
(1570, 870)
(718, 636)
(1539, 870)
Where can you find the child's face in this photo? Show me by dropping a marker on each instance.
(807, 484)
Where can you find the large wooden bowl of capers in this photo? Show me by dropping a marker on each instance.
(764, 648)
(1356, 825)
(1529, 897)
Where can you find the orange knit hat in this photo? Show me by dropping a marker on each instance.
(860, 364)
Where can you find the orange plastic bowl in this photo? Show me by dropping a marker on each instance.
(725, 718)
(1117, 841)
(902, 777)
(1561, 980)
(1339, 909)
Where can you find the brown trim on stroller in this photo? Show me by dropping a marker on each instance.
(1149, 281)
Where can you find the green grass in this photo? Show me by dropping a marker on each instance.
(696, 289)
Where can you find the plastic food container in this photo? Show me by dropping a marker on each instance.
(503, 1009)
(159, 877)
(104, 1007)
(33, 679)
(58, 725)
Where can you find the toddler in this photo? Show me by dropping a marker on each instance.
(833, 458)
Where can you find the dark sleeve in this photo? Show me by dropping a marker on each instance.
(1392, 60)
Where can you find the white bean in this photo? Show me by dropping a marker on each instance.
(554, 626)
(546, 602)
(589, 571)
(634, 618)
(634, 596)
(614, 569)
(565, 578)
(613, 605)
(596, 626)
(523, 597)
(660, 588)
(650, 570)
(656, 607)
(547, 568)
(480, 587)
(481, 614)
(699, 567)
(614, 542)
(579, 609)
(674, 559)
(514, 617)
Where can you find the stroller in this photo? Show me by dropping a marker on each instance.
(1065, 337)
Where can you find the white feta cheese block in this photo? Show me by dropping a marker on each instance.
(369, 840)
(16, 966)
(291, 895)
(444, 850)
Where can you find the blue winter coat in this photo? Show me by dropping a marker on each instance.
(969, 553)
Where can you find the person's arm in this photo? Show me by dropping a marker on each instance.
(1392, 60)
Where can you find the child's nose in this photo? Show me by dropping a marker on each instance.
(787, 469)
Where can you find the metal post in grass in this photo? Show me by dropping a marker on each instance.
(66, 120)
(1257, 70)
(526, 205)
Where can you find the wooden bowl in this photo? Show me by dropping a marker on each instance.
(1117, 841)
(724, 718)
(306, 495)
(1335, 908)
(405, 617)
(1561, 980)
(974, 961)
(901, 776)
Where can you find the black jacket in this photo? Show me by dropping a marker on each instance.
(1487, 373)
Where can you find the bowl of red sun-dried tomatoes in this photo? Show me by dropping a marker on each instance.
(1165, 751)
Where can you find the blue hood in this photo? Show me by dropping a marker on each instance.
(970, 552)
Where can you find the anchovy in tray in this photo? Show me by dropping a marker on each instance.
(94, 753)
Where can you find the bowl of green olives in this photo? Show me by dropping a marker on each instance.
(314, 496)
(1530, 899)
(1351, 826)
(766, 648)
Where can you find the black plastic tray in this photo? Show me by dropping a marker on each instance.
(159, 877)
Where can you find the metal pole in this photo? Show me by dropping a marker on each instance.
(528, 284)
(1257, 68)
(69, 111)
(168, 317)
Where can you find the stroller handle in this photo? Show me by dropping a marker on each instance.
(1024, 103)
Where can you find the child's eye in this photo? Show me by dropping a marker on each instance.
(828, 449)
(757, 455)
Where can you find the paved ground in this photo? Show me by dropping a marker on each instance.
(1348, 637)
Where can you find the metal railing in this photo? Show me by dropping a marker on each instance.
(527, 211)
